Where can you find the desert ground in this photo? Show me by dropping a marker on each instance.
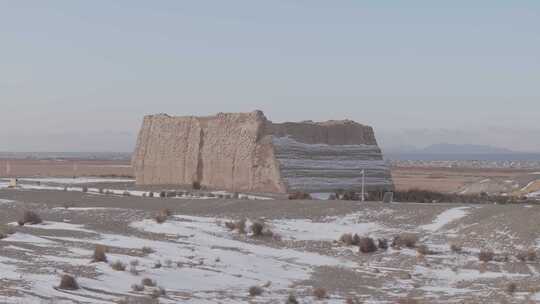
(467, 180)
(192, 255)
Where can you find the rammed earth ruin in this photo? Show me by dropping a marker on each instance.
(247, 152)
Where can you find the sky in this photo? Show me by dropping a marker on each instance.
(80, 75)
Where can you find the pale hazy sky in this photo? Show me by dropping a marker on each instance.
(80, 75)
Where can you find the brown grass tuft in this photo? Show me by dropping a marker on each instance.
(456, 248)
(367, 245)
(383, 244)
(320, 293)
(239, 225)
(100, 254)
(30, 217)
(255, 291)
(405, 240)
(148, 282)
(291, 299)
(118, 266)
(68, 282)
(424, 250)
(299, 195)
(511, 288)
(147, 250)
(486, 256)
(162, 216)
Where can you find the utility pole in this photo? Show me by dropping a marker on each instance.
(363, 184)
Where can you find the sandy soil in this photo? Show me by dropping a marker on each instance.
(203, 262)
(448, 179)
(67, 168)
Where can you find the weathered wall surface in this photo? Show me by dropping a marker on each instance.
(246, 152)
(328, 156)
(227, 151)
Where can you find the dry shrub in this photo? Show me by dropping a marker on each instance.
(405, 240)
(367, 245)
(531, 255)
(157, 265)
(30, 217)
(85, 189)
(320, 293)
(255, 291)
(239, 225)
(147, 250)
(150, 194)
(137, 288)
(291, 299)
(162, 216)
(5, 231)
(383, 244)
(118, 266)
(299, 195)
(68, 282)
(347, 239)
(196, 185)
(133, 270)
(511, 288)
(486, 256)
(257, 228)
(100, 254)
(353, 300)
(424, 250)
(456, 248)
(158, 292)
(148, 282)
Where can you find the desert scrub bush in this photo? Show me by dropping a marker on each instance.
(529, 255)
(196, 185)
(239, 225)
(5, 231)
(291, 299)
(382, 244)
(162, 194)
(68, 282)
(118, 266)
(259, 230)
(157, 265)
(150, 194)
(299, 195)
(30, 217)
(352, 300)
(100, 254)
(148, 282)
(456, 248)
(137, 288)
(511, 288)
(126, 193)
(158, 292)
(424, 250)
(320, 293)
(255, 291)
(486, 256)
(147, 250)
(162, 216)
(350, 239)
(367, 245)
(405, 240)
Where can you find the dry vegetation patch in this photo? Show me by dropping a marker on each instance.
(320, 293)
(31, 218)
(486, 256)
(68, 282)
(100, 254)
